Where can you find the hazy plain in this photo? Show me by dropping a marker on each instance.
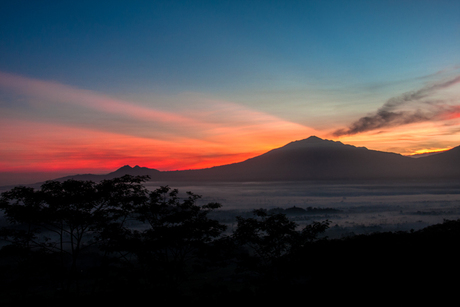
(364, 207)
(361, 207)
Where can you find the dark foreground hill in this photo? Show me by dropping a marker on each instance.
(311, 159)
(391, 266)
(115, 243)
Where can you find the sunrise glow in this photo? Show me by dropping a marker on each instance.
(425, 151)
(81, 93)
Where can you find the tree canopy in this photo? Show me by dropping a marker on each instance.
(160, 234)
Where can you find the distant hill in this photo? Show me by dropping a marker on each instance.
(125, 170)
(444, 165)
(311, 159)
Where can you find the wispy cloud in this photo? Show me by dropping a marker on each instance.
(420, 109)
(53, 123)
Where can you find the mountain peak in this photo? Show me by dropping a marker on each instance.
(313, 138)
(312, 141)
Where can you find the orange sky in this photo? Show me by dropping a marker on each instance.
(54, 132)
(54, 127)
(92, 86)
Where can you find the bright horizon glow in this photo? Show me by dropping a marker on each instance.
(425, 151)
(162, 140)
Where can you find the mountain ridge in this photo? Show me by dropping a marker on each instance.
(309, 159)
(314, 159)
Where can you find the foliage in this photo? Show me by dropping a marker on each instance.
(21, 206)
(174, 231)
(71, 209)
(67, 217)
(118, 216)
(272, 236)
(161, 236)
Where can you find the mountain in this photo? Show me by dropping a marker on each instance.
(135, 171)
(125, 170)
(445, 165)
(311, 159)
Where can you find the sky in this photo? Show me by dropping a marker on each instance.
(90, 86)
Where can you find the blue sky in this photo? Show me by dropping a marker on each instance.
(321, 65)
(223, 46)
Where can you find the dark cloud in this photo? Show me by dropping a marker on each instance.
(384, 119)
(388, 116)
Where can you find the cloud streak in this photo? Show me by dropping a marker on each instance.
(390, 115)
(50, 125)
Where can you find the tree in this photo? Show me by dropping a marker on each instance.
(270, 237)
(22, 209)
(176, 231)
(66, 217)
(163, 232)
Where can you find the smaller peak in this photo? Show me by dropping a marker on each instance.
(136, 167)
(124, 169)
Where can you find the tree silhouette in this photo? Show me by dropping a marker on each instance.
(66, 217)
(175, 231)
(22, 208)
(270, 237)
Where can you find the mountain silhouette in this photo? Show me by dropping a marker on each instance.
(125, 170)
(311, 159)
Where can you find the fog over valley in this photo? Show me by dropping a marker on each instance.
(361, 207)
